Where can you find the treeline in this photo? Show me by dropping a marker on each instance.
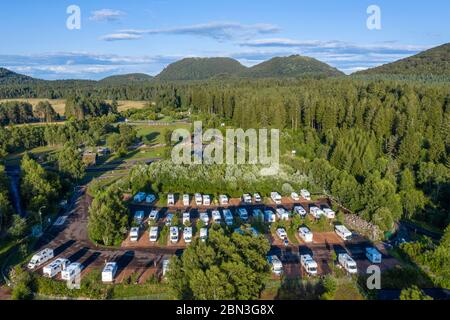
(81, 107)
(18, 112)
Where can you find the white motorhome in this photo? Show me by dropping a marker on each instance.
(170, 199)
(243, 214)
(187, 234)
(373, 255)
(300, 211)
(281, 233)
(139, 197)
(216, 217)
(40, 258)
(174, 234)
(282, 214)
(109, 272)
(55, 267)
(206, 200)
(257, 198)
(150, 198)
(276, 197)
(295, 196)
(153, 234)
(276, 264)
(305, 234)
(134, 234)
(258, 214)
(316, 212)
(186, 218)
(309, 264)
(228, 216)
(247, 199)
(305, 194)
(223, 200)
(71, 271)
(343, 232)
(269, 216)
(198, 199)
(203, 234)
(204, 217)
(186, 200)
(347, 263)
(154, 215)
(330, 214)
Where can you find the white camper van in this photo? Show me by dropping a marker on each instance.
(282, 214)
(247, 199)
(153, 234)
(187, 234)
(186, 200)
(243, 214)
(269, 216)
(305, 234)
(204, 217)
(373, 255)
(154, 215)
(257, 198)
(203, 234)
(174, 234)
(109, 272)
(206, 200)
(295, 196)
(71, 271)
(40, 258)
(170, 199)
(276, 264)
(343, 232)
(276, 197)
(309, 264)
(223, 200)
(216, 217)
(300, 211)
(198, 199)
(281, 233)
(305, 194)
(55, 267)
(134, 234)
(347, 263)
(228, 217)
(330, 214)
(316, 212)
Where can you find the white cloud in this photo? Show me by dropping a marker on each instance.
(106, 15)
(120, 36)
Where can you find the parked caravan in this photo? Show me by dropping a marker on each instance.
(281, 233)
(134, 234)
(295, 196)
(300, 211)
(203, 234)
(257, 198)
(228, 216)
(282, 214)
(40, 258)
(174, 233)
(187, 234)
(154, 215)
(343, 232)
(153, 234)
(316, 212)
(347, 263)
(308, 264)
(305, 194)
(269, 216)
(186, 200)
(276, 197)
(276, 264)
(257, 214)
(373, 255)
(243, 214)
(305, 234)
(216, 217)
(204, 217)
(223, 200)
(150, 198)
(139, 217)
(206, 200)
(170, 199)
(109, 272)
(247, 199)
(73, 270)
(55, 267)
(186, 218)
(330, 214)
(198, 199)
(139, 197)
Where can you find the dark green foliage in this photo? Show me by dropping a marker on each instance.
(80, 107)
(15, 112)
(45, 112)
(126, 79)
(413, 293)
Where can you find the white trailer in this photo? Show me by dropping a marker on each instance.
(243, 214)
(281, 233)
(309, 264)
(300, 211)
(347, 263)
(206, 200)
(170, 199)
(305, 234)
(223, 200)
(174, 234)
(134, 234)
(187, 234)
(204, 217)
(228, 216)
(343, 232)
(247, 199)
(198, 199)
(330, 214)
(216, 217)
(153, 234)
(55, 267)
(73, 270)
(203, 234)
(154, 215)
(139, 197)
(150, 198)
(257, 198)
(186, 200)
(109, 272)
(40, 258)
(305, 194)
(295, 196)
(316, 212)
(373, 255)
(276, 197)
(269, 216)
(282, 214)
(276, 264)
(186, 218)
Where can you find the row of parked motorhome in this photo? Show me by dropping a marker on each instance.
(306, 235)
(205, 200)
(174, 234)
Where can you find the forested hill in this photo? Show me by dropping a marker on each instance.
(127, 79)
(10, 77)
(292, 66)
(433, 62)
(200, 69)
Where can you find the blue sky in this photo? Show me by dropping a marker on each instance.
(144, 36)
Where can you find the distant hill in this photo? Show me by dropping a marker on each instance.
(10, 77)
(127, 78)
(200, 69)
(432, 62)
(292, 66)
